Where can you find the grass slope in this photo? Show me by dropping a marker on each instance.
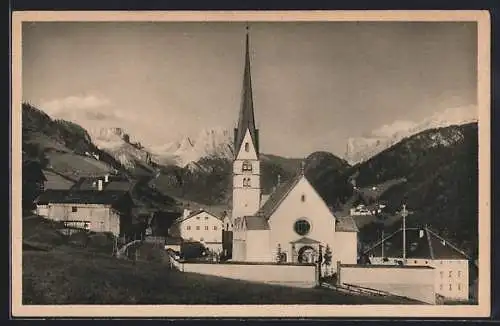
(64, 276)
(81, 270)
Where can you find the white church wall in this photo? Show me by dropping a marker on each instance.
(257, 246)
(246, 201)
(451, 277)
(415, 282)
(345, 248)
(292, 209)
(303, 276)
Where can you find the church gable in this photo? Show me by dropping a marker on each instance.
(247, 149)
(303, 197)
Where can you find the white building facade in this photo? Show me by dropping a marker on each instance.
(426, 248)
(199, 226)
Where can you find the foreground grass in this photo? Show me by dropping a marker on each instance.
(70, 276)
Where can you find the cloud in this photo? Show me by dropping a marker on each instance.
(395, 127)
(75, 103)
(82, 109)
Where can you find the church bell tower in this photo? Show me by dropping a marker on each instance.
(246, 164)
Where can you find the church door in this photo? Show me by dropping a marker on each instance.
(307, 255)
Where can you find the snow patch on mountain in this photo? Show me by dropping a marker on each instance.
(360, 149)
(116, 142)
(215, 142)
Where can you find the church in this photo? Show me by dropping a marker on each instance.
(294, 224)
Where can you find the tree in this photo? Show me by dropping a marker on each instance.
(327, 257)
(278, 254)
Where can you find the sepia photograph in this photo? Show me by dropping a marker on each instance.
(249, 164)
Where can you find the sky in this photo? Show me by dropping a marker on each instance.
(315, 84)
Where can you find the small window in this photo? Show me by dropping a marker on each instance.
(450, 273)
(247, 166)
(450, 287)
(198, 227)
(74, 209)
(227, 226)
(206, 228)
(303, 198)
(441, 274)
(247, 147)
(215, 228)
(197, 217)
(188, 227)
(206, 217)
(246, 182)
(414, 261)
(459, 287)
(441, 287)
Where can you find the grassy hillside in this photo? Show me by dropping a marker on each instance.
(84, 272)
(329, 175)
(440, 167)
(61, 145)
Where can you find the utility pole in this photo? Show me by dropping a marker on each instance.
(382, 244)
(404, 213)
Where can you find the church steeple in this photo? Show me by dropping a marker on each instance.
(246, 120)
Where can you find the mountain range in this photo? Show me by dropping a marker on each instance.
(360, 149)
(434, 171)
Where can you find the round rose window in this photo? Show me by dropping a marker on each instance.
(302, 227)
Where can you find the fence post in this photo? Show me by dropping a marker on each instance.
(338, 273)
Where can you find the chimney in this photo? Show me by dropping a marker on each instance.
(106, 178)
(99, 184)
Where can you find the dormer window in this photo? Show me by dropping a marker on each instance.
(247, 166)
(247, 147)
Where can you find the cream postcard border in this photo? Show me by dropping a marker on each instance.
(481, 310)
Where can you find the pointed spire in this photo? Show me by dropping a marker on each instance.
(246, 118)
(302, 167)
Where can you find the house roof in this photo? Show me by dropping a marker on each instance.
(63, 196)
(246, 118)
(305, 240)
(194, 213)
(278, 196)
(256, 223)
(114, 183)
(421, 243)
(346, 224)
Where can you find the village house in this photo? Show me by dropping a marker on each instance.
(201, 226)
(294, 223)
(423, 247)
(94, 209)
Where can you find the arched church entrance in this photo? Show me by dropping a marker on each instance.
(307, 255)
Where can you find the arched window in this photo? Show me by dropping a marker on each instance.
(247, 147)
(247, 166)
